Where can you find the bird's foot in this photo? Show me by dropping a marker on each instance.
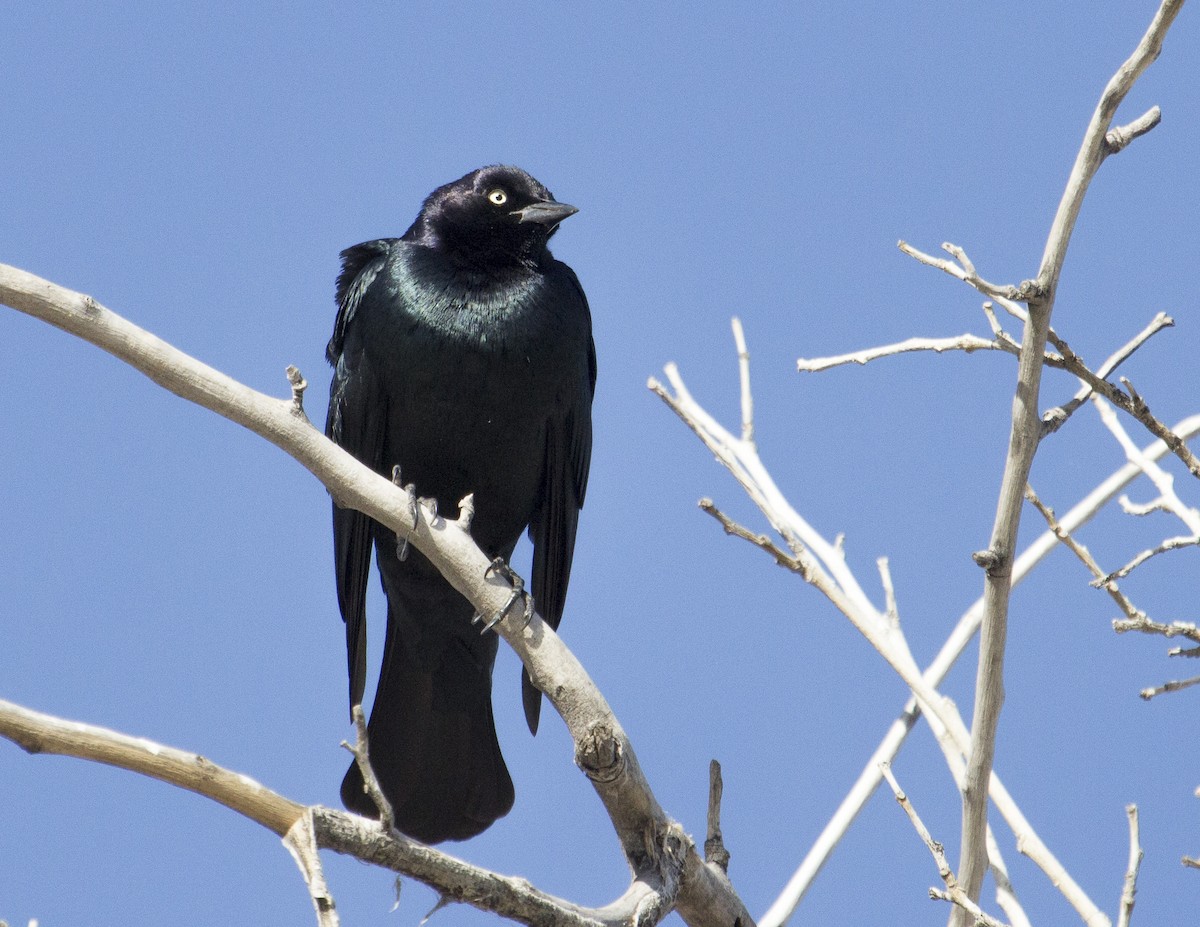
(499, 567)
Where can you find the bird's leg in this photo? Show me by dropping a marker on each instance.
(411, 491)
(499, 567)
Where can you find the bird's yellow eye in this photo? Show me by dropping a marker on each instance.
(497, 197)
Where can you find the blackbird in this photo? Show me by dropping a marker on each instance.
(462, 354)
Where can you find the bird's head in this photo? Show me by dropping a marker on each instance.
(494, 213)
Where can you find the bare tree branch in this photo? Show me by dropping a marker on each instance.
(823, 565)
(1026, 432)
(963, 269)
(739, 339)
(1168, 499)
(1118, 138)
(1174, 629)
(967, 625)
(658, 851)
(510, 897)
(36, 732)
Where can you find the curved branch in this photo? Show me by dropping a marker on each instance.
(658, 851)
(336, 830)
(35, 732)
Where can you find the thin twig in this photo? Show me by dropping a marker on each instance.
(714, 844)
(1132, 404)
(1169, 544)
(301, 842)
(1146, 626)
(964, 270)
(1168, 499)
(1129, 887)
(966, 342)
(784, 559)
(739, 340)
(954, 892)
(1173, 686)
(892, 609)
(1118, 138)
(362, 757)
(1055, 418)
(1085, 557)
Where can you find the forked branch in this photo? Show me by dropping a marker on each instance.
(662, 858)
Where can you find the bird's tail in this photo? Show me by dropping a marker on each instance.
(432, 740)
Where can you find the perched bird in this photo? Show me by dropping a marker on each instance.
(462, 354)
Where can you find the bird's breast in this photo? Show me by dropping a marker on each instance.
(473, 369)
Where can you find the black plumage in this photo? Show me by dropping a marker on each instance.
(463, 354)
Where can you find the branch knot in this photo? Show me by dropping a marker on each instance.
(994, 562)
(598, 753)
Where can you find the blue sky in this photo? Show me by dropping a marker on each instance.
(198, 169)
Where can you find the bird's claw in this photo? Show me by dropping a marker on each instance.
(410, 490)
(499, 567)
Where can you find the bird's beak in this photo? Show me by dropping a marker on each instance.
(545, 212)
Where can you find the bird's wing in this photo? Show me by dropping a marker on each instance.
(568, 455)
(356, 422)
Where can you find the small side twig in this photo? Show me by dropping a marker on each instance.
(1173, 686)
(714, 843)
(1146, 626)
(1129, 888)
(891, 609)
(762, 541)
(1131, 403)
(443, 901)
(362, 756)
(1104, 582)
(301, 842)
(953, 892)
(963, 269)
(743, 353)
(1055, 418)
(967, 343)
(1169, 544)
(299, 385)
(1118, 138)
